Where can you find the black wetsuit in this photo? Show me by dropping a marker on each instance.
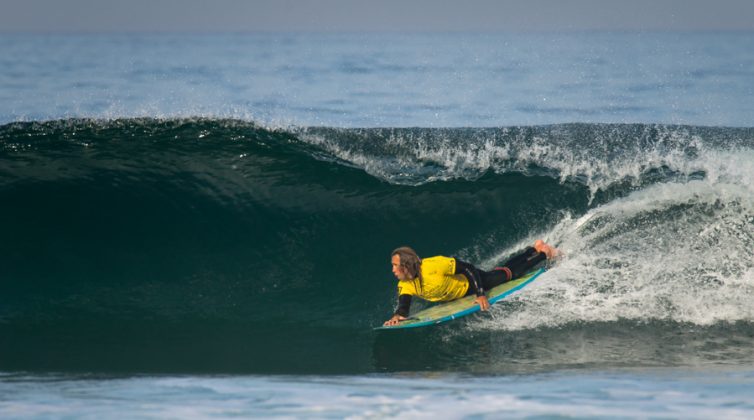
(481, 281)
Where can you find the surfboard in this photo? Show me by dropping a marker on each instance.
(459, 308)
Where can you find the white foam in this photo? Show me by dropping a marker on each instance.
(597, 156)
(676, 251)
(677, 394)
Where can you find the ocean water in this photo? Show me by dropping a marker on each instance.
(201, 225)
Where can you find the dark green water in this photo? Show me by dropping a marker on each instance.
(220, 246)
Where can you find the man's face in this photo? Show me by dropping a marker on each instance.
(400, 272)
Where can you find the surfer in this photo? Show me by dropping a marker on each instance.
(442, 279)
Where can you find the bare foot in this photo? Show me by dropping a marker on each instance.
(550, 251)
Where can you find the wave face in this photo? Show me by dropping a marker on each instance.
(204, 245)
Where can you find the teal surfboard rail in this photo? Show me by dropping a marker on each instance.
(459, 308)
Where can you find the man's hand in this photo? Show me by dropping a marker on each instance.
(483, 302)
(396, 319)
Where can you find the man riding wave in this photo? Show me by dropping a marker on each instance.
(442, 279)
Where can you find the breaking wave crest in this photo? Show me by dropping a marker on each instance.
(166, 227)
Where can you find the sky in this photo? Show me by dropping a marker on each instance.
(76, 16)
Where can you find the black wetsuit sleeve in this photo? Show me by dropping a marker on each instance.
(473, 274)
(404, 304)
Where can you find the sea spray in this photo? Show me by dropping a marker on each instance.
(226, 238)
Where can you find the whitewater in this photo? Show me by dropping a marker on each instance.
(201, 225)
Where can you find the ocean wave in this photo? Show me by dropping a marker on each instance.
(679, 252)
(597, 155)
(183, 222)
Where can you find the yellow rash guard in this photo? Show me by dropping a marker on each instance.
(438, 283)
(445, 278)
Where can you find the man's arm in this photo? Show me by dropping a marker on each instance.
(404, 304)
(474, 276)
(401, 313)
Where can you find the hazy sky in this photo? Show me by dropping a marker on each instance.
(371, 15)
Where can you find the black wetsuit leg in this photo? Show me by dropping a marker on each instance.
(518, 265)
(493, 278)
(524, 262)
